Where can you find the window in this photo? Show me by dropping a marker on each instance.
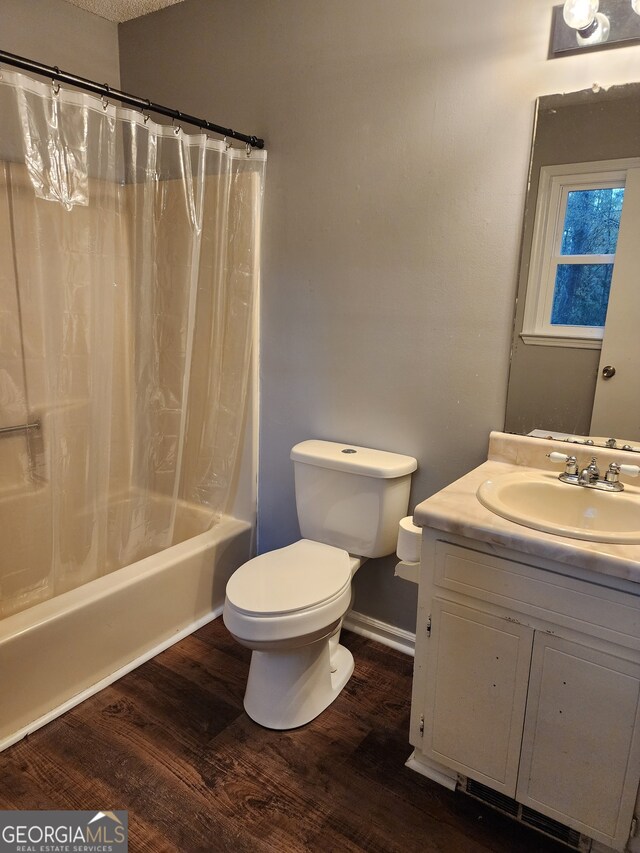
(573, 252)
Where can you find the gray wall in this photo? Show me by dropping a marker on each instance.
(57, 33)
(399, 137)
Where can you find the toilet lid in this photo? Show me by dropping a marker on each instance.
(297, 577)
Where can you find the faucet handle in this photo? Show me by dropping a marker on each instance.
(554, 456)
(613, 475)
(629, 470)
(571, 461)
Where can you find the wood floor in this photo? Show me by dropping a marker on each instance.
(171, 744)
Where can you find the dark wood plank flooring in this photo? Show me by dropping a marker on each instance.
(170, 743)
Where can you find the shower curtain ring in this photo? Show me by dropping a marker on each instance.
(55, 86)
(145, 116)
(226, 143)
(249, 149)
(105, 103)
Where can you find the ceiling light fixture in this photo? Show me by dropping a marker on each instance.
(590, 24)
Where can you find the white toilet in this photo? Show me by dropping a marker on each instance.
(288, 605)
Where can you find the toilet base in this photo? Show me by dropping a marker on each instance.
(289, 688)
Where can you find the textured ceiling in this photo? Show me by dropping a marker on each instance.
(122, 10)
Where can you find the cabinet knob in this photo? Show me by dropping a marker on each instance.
(608, 372)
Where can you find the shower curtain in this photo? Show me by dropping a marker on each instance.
(130, 265)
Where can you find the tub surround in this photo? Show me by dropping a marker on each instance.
(457, 510)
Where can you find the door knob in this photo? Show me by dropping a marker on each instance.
(608, 372)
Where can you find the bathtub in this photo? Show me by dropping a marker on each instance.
(60, 651)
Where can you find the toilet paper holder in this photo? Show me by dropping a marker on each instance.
(408, 550)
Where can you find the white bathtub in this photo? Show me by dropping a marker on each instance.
(57, 653)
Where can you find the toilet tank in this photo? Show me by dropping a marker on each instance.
(351, 497)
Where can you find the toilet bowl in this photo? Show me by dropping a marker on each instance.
(288, 605)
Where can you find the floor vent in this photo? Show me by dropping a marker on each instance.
(492, 798)
(551, 827)
(535, 820)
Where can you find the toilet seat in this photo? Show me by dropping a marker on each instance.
(297, 577)
(299, 591)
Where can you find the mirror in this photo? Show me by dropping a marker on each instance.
(552, 387)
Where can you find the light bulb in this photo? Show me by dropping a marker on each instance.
(578, 14)
(596, 34)
(635, 5)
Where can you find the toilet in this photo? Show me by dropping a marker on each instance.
(287, 605)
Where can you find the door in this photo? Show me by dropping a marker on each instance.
(580, 760)
(476, 688)
(616, 406)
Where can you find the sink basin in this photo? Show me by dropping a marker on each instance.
(539, 500)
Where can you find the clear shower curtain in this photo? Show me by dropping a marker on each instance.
(128, 283)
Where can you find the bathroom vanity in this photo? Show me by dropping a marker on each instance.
(527, 671)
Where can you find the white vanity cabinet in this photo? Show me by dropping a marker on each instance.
(527, 680)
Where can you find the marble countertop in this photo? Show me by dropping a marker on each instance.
(456, 509)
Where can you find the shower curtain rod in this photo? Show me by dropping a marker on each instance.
(106, 91)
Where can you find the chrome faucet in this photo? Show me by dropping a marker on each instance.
(589, 477)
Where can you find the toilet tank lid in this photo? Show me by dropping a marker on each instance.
(356, 460)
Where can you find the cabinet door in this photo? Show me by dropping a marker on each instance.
(580, 753)
(475, 691)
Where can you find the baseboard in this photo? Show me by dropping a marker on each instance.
(359, 623)
(374, 629)
(105, 682)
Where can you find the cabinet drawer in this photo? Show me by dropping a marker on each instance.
(540, 593)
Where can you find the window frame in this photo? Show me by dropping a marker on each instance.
(555, 184)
